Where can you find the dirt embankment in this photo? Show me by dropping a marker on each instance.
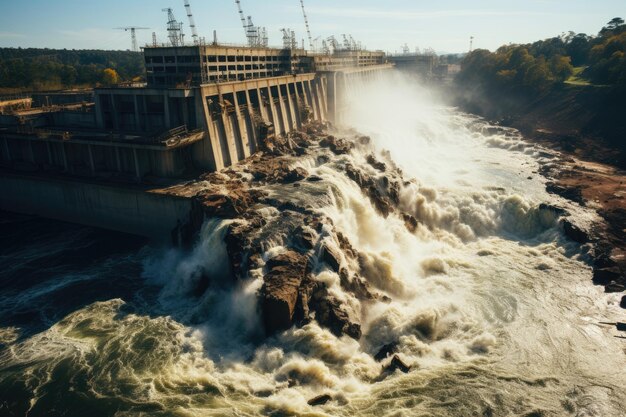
(587, 124)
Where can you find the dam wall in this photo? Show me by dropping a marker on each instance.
(131, 210)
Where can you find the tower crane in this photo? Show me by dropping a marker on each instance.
(133, 35)
(192, 24)
(289, 39)
(306, 23)
(174, 29)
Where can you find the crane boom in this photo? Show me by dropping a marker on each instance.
(133, 36)
(192, 23)
(306, 23)
(243, 20)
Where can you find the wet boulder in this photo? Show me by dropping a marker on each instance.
(397, 364)
(319, 400)
(376, 164)
(604, 276)
(332, 314)
(337, 146)
(385, 351)
(574, 232)
(296, 174)
(280, 290)
(330, 257)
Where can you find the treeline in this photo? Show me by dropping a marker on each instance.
(39, 69)
(536, 67)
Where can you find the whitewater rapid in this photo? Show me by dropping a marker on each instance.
(493, 307)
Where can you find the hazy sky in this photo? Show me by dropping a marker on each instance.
(444, 25)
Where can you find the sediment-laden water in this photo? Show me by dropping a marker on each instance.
(491, 305)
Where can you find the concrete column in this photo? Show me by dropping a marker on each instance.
(31, 154)
(166, 110)
(324, 99)
(98, 109)
(92, 165)
(117, 158)
(262, 108)
(276, 119)
(283, 111)
(297, 105)
(317, 98)
(230, 134)
(49, 153)
(7, 152)
(308, 92)
(114, 115)
(253, 127)
(64, 157)
(291, 109)
(137, 117)
(211, 149)
(243, 129)
(137, 170)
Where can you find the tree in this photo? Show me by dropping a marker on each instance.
(110, 77)
(614, 26)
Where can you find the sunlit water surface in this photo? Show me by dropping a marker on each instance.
(493, 307)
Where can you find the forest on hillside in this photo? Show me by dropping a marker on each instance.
(46, 69)
(534, 68)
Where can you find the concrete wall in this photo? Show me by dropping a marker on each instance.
(117, 208)
(231, 114)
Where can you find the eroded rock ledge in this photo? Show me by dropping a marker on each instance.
(273, 202)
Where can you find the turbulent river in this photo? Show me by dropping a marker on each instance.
(493, 307)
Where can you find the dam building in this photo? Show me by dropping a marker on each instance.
(202, 108)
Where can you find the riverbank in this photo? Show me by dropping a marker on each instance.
(586, 126)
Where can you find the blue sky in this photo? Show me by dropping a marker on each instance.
(444, 25)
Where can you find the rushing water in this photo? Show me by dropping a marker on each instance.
(493, 307)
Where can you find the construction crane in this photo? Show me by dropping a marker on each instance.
(289, 39)
(333, 43)
(306, 23)
(174, 29)
(192, 24)
(133, 36)
(256, 35)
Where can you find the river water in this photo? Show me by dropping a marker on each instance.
(492, 307)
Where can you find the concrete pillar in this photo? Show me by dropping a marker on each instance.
(166, 111)
(114, 115)
(309, 94)
(276, 118)
(31, 154)
(49, 153)
(298, 104)
(118, 160)
(137, 170)
(324, 98)
(243, 129)
(317, 98)
(137, 118)
(7, 152)
(92, 165)
(64, 157)
(228, 130)
(211, 149)
(98, 109)
(283, 111)
(262, 108)
(291, 108)
(252, 131)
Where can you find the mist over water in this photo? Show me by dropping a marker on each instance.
(492, 306)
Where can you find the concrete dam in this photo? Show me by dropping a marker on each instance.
(104, 159)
